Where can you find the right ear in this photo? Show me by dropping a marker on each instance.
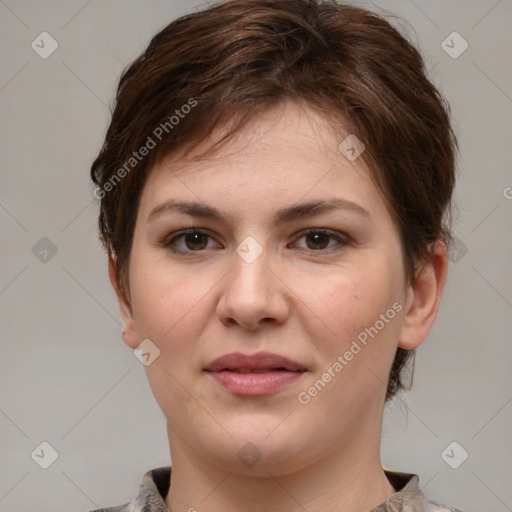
(130, 334)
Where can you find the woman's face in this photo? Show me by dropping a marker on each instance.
(296, 262)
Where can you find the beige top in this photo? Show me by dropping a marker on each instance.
(155, 485)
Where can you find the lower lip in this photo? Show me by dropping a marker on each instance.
(255, 384)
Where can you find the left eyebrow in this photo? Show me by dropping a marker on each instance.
(291, 213)
(312, 208)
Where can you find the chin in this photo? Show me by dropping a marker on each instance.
(258, 448)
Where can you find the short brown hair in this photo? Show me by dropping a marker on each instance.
(240, 57)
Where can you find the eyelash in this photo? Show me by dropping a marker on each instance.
(342, 240)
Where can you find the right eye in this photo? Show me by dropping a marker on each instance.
(188, 241)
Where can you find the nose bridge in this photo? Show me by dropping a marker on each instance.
(251, 293)
(249, 276)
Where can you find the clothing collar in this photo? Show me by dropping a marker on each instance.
(155, 485)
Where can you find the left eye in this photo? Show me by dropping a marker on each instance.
(321, 239)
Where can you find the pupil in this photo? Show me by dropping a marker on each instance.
(194, 239)
(317, 239)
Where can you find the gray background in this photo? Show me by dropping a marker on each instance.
(66, 376)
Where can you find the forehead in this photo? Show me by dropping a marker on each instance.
(282, 155)
(288, 125)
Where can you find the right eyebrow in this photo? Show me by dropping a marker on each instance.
(191, 208)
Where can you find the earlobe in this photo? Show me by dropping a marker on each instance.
(423, 299)
(129, 333)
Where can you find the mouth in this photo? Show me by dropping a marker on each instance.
(254, 375)
(247, 370)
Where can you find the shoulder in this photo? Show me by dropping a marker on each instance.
(434, 506)
(126, 507)
(409, 497)
(150, 496)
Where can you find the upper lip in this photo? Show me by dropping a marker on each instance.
(258, 361)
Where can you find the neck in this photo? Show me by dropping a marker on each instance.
(349, 478)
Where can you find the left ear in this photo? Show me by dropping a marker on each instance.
(423, 298)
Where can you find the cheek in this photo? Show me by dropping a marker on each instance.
(361, 318)
(350, 300)
(170, 308)
(361, 312)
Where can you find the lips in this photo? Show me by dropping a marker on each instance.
(258, 374)
(257, 363)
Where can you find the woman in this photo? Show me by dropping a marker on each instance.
(274, 187)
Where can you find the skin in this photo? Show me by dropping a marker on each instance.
(305, 297)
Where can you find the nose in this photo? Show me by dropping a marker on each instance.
(253, 294)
